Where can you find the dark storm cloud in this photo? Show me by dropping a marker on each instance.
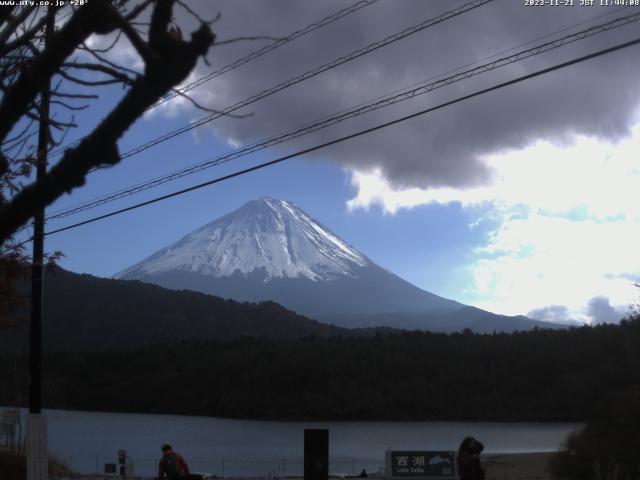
(597, 99)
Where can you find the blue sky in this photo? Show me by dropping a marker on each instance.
(518, 203)
(428, 245)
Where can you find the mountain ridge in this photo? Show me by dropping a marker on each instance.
(83, 312)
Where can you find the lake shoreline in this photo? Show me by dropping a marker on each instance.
(517, 466)
(86, 441)
(508, 466)
(311, 419)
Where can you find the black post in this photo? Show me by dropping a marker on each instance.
(316, 454)
(35, 384)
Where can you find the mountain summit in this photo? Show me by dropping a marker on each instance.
(272, 250)
(273, 236)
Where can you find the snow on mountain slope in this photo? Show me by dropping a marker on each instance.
(266, 234)
(271, 250)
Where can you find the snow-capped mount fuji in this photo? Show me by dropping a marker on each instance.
(267, 235)
(272, 250)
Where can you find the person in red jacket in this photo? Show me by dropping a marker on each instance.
(173, 466)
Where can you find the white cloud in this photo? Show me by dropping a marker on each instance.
(374, 189)
(536, 261)
(121, 53)
(171, 109)
(568, 226)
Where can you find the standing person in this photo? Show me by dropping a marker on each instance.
(469, 465)
(173, 466)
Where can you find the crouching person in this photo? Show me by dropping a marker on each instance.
(173, 466)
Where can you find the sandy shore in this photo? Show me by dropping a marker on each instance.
(520, 466)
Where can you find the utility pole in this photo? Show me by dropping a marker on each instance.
(37, 455)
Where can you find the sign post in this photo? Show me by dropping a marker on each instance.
(419, 464)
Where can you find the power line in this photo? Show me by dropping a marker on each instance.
(352, 113)
(214, 161)
(311, 73)
(496, 54)
(251, 56)
(353, 135)
(258, 53)
(308, 74)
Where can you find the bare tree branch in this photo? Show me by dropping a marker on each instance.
(135, 39)
(105, 49)
(5, 13)
(167, 63)
(24, 37)
(13, 24)
(199, 106)
(190, 11)
(96, 67)
(89, 83)
(108, 62)
(68, 106)
(44, 66)
(18, 135)
(74, 95)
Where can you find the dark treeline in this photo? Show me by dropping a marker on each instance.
(607, 447)
(546, 375)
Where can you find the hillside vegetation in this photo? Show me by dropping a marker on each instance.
(83, 312)
(560, 375)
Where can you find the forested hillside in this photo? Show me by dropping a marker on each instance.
(556, 375)
(83, 312)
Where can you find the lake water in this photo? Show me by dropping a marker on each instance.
(88, 440)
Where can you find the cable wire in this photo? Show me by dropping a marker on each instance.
(212, 162)
(309, 74)
(352, 113)
(353, 135)
(305, 76)
(251, 56)
(266, 49)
